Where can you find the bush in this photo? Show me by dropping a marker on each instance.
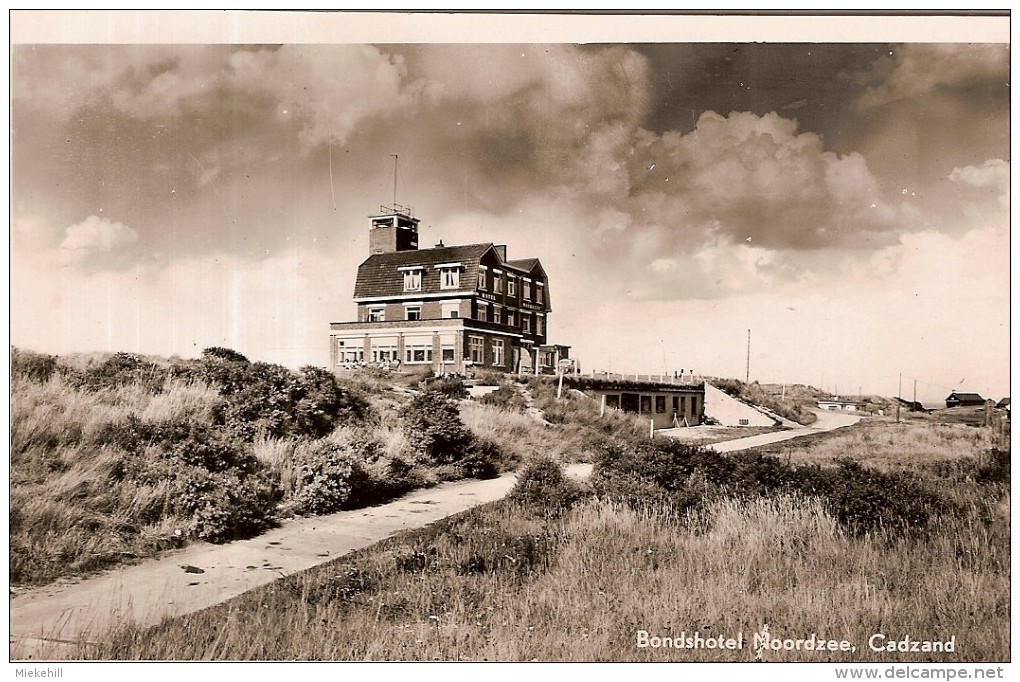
(262, 400)
(434, 429)
(646, 472)
(227, 354)
(542, 488)
(332, 479)
(506, 398)
(32, 366)
(996, 470)
(451, 386)
(120, 369)
(483, 459)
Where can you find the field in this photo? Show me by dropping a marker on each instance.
(527, 578)
(882, 528)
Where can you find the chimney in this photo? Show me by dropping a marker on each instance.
(440, 244)
(501, 250)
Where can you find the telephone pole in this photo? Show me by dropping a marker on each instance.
(899, 391)
(747, 372)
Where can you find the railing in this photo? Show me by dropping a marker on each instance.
(676, 378)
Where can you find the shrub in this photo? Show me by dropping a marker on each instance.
(506, 398)
(32, 366)
(332, 479)
(120, 369)
(449, 385)
(996, 470)
(646, 472)
(225, 506)
(227, 354)
(483, 459)
(542, 488)
(434, 429)
(262, 400)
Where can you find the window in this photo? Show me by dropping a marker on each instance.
(538, 324)
(450, 278)
(646, 403)
(448, 354)
(497, 314)
(676, 403)
(526, 320)
(376, 314)
(418, 350)
(497, 281)
(483, 311)
(451, 309)
(526, 293)
(349, 351)
(510, 321)
(613, 401)
(660, 404)
(481, 276)
(539, 292)
(497, 352)
(476, 346)
(412, 312)
(412, 280)
(511, 285)
(384, 350)
(683, 404)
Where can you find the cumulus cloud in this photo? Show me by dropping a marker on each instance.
(325, 91)
(921, 68)
(96, 241)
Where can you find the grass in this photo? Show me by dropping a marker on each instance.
(106, 468)
(888, 446)
(575, 580)
(500, 584)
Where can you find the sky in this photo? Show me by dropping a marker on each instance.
(846, 203)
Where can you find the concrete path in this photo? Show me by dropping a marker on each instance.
(827, 421)
(47, 623)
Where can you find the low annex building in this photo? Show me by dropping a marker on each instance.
(447, 307)
(667, 405)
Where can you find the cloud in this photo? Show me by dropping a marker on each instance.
(323, 91)
(920, 69)
(96, 242)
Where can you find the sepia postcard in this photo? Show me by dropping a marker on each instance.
(549, 337)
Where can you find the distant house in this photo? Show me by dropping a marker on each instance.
(957, 399)
(1003, 404)
(837, 404)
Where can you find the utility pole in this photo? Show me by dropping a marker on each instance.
(747, 372)
(915, 391)
(899, 391)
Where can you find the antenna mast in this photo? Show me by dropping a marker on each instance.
(396, 160)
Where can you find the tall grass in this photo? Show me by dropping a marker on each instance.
(496, 584)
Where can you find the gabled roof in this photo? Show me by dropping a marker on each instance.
(376, 273)
(525, 264)
(965, 396)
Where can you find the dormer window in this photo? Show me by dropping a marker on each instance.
(511, 285)
(481, 277)
(497, 281)
(449, 275)
(526, 286)
(412, 278)
(539, 292)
